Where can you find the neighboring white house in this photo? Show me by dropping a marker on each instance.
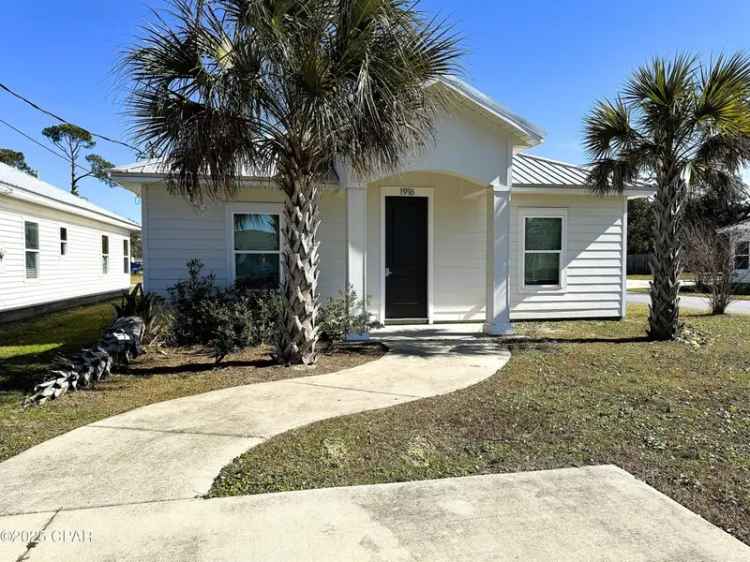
(469, 229)
(740, 234)
(56, 249)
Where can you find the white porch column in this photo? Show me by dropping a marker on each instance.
(498, 253)
(356, 245)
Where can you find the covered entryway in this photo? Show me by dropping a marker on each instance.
(406, 258)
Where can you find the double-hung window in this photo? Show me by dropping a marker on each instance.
(63, 241)
(31, 231)
(126, 256)
(543, 243)
(105, 254)
(742, 255)
(256, 248)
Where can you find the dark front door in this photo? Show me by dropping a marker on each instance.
(406, 257)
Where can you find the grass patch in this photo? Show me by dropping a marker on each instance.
(674, 414)
(28, 347)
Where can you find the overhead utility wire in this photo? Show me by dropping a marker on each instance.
(45, 147)
(62, 120)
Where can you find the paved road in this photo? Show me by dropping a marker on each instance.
(693, 303)
(594, 513)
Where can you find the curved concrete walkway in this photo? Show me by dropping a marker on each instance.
(173, 450)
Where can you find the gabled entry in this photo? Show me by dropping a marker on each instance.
(406, 256)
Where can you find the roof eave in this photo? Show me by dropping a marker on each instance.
(577, 189)
(527, 134)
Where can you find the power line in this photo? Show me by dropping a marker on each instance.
(62, 120)
(45, 147)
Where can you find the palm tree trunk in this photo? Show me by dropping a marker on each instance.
(299, 334)
(666, 262)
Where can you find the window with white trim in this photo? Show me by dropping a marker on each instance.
(256, 247)
(63, 241)
(742, 255)
(543, 247)
(105, 254)
(31, 234)
(126, 256)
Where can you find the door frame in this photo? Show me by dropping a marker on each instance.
(402, 191)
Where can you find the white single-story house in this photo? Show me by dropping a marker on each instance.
(740, 234)
(469, 229)
(57, 249)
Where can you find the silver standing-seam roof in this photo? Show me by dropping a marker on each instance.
(22, 186)
(535, 171)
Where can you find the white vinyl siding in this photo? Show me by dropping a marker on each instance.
(592, 260)
(76, 274)
(175, 232)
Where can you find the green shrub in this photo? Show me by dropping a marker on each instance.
(190, 299)
(232, 327)
(225, 320)
(147, 306)
(343, 315)
(265, 314)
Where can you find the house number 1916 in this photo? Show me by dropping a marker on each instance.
(408, 191)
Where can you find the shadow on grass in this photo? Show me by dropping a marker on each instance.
(188, 368)
(23, 372)
(542, 343)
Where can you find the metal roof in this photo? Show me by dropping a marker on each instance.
(534, 135)
(535, 171)
(157, 167)
(20, 185)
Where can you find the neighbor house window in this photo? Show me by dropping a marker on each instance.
(32, 249)
(105, 254)
(742, 255)
(543, 246)
(126, 256)
(63, 241)
(257, 250)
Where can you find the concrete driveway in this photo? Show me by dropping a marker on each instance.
(173, 450)
(693, 303)
(594, 513)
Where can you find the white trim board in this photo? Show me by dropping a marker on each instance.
(542, 212)
(429, 193)
(249, 207)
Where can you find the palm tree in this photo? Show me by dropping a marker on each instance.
(683, 127)
(285, 88)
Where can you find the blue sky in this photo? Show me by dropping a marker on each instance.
(547, 60)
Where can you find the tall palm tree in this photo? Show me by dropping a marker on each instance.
(682, 126)
(286, 87)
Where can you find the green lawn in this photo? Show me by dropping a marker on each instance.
(28, 347)
(675, 414)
